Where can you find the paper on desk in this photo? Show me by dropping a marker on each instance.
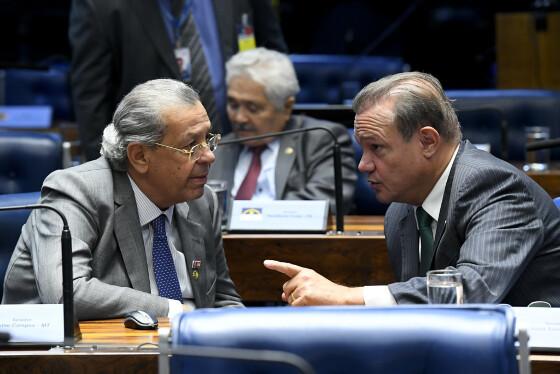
(542, 325)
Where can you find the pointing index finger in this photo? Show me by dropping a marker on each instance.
(286, 268)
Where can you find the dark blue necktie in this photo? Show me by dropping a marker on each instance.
(164, 268)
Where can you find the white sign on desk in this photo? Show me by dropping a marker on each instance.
(542, 325)
(279, 216)
(33, 323)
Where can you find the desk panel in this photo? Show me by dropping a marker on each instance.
(356, 258)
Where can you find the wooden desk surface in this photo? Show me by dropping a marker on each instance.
(549, 180)
(356, 258)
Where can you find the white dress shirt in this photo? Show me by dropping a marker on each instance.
(266, 187)
(380, 295)
(147, 212)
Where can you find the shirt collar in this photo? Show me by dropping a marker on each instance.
(147, 210)
(432, 203)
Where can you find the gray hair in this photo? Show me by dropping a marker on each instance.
(273, 70)
(138, 118)
(421, 101)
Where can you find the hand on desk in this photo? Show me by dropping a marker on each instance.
(307, 287)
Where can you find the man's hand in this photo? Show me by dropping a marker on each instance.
(307, 287)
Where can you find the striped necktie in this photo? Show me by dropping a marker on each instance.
(200, 75)
(426, 239)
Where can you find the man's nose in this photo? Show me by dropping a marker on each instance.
(366, 165)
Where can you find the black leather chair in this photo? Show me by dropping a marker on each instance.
(26, 159)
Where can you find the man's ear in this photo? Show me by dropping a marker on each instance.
(138, 158)
(430, 140)
(289, 106)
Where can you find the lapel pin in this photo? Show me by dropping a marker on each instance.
(289, 150)
(195, 266)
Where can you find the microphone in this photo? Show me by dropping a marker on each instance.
(67, 286)
(339, 217)
(543, 144)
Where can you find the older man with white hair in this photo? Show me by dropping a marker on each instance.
(261, 90)
(145, 228)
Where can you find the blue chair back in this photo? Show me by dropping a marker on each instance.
(405, 339)
(335, 79)
(518, 108)
(39, 87)
(10, 225)
(26, 159)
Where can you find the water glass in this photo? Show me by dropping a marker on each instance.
(221, 190)
(537, 160)
(445, 286)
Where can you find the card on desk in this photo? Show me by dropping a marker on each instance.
(279, 216)
(542, 325)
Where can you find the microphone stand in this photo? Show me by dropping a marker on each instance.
(339, 217)
(67, 286)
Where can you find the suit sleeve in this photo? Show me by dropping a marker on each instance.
(91, 74)
(225, 293)
(497, 231)
(93, 298)
(267, 28)
(319, 168)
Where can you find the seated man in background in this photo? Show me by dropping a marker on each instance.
(261, 89)
(453, 206)
(145, 228)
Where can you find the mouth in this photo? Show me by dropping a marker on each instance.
(199, 179)
(243, 127)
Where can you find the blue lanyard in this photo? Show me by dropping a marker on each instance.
(176, 22)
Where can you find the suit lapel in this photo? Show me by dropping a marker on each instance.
(192, 246)
(128, 233)
(149, 15)
(286, 157)
(409, 245)
(444, 210)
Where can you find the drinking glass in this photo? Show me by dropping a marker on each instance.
(221, 190)
(445, 287)
(536, 160)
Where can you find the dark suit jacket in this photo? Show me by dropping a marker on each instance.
(117, 44)
(496, 225)
(109, 259)
(306, 171)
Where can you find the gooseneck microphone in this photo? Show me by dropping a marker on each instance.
(543, 144)
(339, 217)
(67, 286)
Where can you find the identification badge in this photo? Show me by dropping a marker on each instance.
(246, 35)
(183, 58)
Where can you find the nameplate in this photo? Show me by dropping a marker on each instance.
(26, 117)
(542, 325)
(279, 216)
(33, 323)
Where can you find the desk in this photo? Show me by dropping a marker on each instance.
(105, 347)
(356, 258)
(549, 180)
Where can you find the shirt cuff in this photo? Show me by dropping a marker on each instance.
(175, 307)
(378, 296)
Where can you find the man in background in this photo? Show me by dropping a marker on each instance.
(452, 207)
(261, 90)
(117, 44)
(145, 228)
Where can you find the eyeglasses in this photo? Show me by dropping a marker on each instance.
(195, 152)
